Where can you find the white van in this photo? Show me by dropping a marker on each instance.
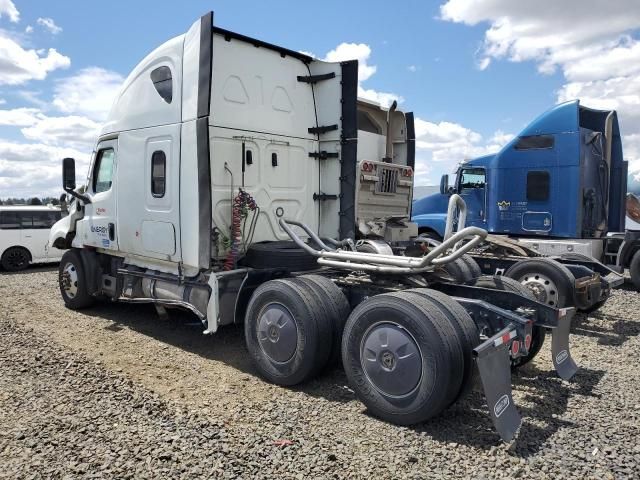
(24, 236)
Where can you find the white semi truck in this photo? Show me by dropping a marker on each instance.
(225, 171)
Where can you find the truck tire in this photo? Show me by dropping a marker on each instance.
(634, 269)
(465, 328)
(428, 233)
(538, 334)
(279, 254)
(473, 266)
(462, 269)
(324, 322)
(281, 332)
(403, 357)
(593, 308)
(549, 281)
(15, 259)
(72, 281)
(337, 305)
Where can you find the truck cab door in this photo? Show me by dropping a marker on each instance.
(98, 226)
(472, 188)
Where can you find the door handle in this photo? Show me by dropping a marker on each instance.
(112, 232)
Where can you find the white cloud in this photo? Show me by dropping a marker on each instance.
(2, 101)
(28, 170)
(49, 24)
(90, 92)
(8, 8)
(353, 51)
(440, 147)
(362, 53)
(19, 117)
(592, 43)
(19, 65)
(412, 68)
(28, 29)
(72, 131)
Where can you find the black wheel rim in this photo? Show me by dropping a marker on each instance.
(277, 333)
(391, 359)
(17, 259)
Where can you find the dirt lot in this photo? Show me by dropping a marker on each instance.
(115, 391)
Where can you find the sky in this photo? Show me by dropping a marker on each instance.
(474, 72)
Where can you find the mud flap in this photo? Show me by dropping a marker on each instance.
(494, 364)
(561, 356)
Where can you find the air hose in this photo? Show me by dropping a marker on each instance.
(243, 203)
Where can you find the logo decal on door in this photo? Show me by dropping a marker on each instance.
(503, 205)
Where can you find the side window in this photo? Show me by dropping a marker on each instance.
(9, 221)
(40, 219)
(45, 220)
(535, 142)
(26, 219)
(158, 173)
(103, 170)
(472, 178)
(162, 80)
(538, 186)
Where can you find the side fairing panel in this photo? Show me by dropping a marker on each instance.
(195, 178)
(331, 98)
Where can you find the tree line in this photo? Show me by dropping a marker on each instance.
(30, 201)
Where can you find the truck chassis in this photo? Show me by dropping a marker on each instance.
(408, 337)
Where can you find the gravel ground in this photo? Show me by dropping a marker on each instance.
(114, 391)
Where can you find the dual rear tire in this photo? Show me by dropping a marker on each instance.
(293, 327)
(407, 355)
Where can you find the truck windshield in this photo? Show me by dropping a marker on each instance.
(472, 178)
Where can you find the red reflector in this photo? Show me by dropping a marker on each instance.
(527, 341)
(515, 347)
(506, 337)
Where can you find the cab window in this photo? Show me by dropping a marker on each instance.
(103, 170)
(472, 178)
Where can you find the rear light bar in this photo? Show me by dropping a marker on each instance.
(367, 167)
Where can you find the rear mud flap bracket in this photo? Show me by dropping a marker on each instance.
(561, 356)
(494, 364)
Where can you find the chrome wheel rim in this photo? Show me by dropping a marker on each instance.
(543, 288)
(70, 280)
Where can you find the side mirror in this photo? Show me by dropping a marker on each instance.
(444, 184)
(69, 179)
(68, 174)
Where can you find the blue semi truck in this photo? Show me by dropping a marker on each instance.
(558, 189)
